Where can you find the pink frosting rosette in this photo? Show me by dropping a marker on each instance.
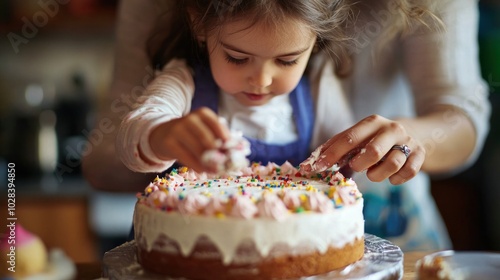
(215, 206)
(156, 199)
(242, 207)
(175, 180)
(192, 204)
(348, 193)
(291, 200)
(288, 169)
(270, 206)
(172, 201)
(152, 187)
(319, 202)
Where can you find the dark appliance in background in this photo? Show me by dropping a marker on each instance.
(73, 113)
(43, 133)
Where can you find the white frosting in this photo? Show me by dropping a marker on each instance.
(310, 164)
(336, 229)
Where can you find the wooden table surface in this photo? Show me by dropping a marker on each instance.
(410, 259)
(91, 271)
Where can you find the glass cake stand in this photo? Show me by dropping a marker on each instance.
(382, 260)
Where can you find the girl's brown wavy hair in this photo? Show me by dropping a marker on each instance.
(335, 22)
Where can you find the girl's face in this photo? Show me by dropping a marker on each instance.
(258, 63)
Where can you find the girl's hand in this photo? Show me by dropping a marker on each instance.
(369, 146)
(186, 138)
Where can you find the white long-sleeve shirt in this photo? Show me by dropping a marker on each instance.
(410, 77)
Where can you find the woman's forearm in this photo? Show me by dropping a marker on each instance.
(104, 170)
(447, 135)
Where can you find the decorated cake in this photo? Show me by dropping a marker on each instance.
(260, 222)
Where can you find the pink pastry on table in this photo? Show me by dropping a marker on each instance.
(21, 253)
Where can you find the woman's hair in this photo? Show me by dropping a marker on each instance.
(408, 16)
(333, 21)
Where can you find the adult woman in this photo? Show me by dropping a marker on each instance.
(409, 89)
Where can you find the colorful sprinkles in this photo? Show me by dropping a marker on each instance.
(225, 196)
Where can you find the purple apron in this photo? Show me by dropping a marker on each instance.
(207, 95)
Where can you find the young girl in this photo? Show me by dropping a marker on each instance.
(378, 85)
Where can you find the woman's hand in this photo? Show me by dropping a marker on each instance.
(372, 145)
(187, 138)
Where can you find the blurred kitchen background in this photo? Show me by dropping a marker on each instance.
(56, 60)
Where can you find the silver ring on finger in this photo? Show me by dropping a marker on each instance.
(403, 148)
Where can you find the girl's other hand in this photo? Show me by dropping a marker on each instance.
(372, 146)
(186, 138)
